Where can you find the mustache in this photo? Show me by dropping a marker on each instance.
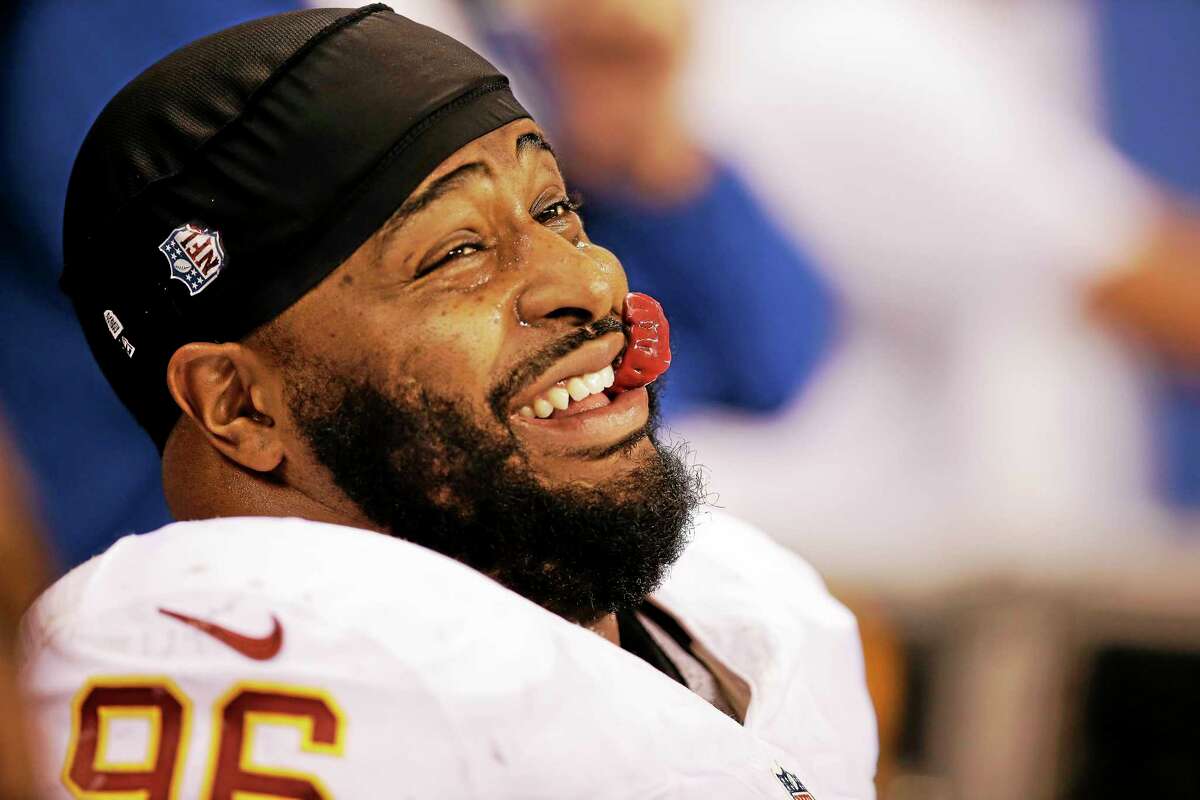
(539, 362)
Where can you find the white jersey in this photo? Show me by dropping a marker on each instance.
(285, 658)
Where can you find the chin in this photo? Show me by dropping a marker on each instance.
(595, 465)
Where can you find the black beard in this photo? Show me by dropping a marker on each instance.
(424, 470)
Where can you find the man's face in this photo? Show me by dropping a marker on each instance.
(485, 289)
(406, 370)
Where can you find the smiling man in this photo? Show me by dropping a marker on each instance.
(406, 406)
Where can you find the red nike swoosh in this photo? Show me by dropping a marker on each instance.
(260, 648)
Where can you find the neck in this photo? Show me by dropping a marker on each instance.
(606, 627)
(200, 483)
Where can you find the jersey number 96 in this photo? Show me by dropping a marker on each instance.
(91, 773)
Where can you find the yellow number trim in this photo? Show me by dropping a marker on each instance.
(152, 714)
(125, 682)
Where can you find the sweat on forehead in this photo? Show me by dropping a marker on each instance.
(227, 180)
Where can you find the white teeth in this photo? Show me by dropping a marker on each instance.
(559, 397)
(577, 389)
(594, 382)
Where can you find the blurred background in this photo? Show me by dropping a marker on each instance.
(933, 273)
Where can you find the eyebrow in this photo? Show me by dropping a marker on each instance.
(455, 179)
(533, 141)
(443, 186)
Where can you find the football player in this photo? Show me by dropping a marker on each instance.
(406, 414)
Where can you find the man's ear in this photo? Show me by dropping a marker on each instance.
(233, 397)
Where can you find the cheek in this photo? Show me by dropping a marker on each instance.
(449, 351)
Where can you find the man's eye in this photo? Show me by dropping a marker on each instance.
(560, 209)
(461, 251)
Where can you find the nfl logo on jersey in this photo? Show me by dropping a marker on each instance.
(792, 784)
(195, 255)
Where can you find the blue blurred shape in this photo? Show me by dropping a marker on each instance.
(96, 473)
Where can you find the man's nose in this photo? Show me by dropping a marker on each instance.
(563, 281)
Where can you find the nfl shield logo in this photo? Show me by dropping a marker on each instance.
(792, 784)
(195, 255)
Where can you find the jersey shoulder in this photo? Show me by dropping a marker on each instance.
(434, 674)
(331, 588)
(766, 613)
(734, 564)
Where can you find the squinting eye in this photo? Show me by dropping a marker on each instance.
(560, 209)
(461, 250)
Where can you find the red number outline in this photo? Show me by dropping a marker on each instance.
(236, 735)
(87, 738)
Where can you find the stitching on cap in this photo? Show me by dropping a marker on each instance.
(319, 225)
(255, 96)
(411, 135)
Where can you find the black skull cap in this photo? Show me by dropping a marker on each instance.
(229, 178)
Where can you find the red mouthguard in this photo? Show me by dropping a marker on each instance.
(648, 344)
